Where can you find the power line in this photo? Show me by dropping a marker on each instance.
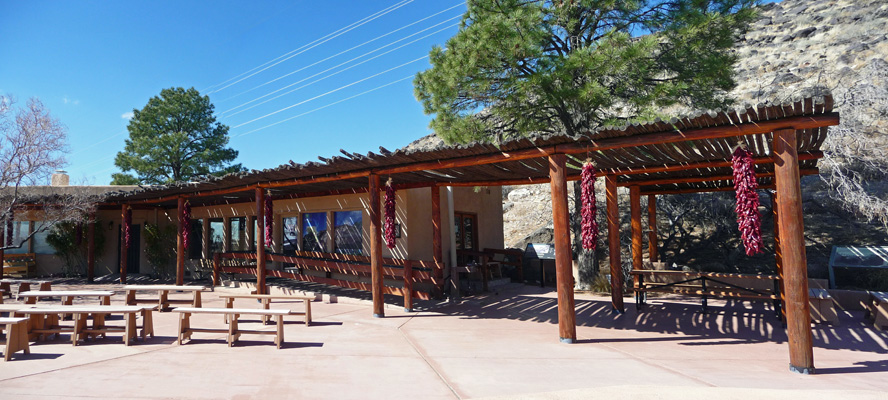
(328, 105)
(329, 92)
(335, 73)
(313, 44)
(355, 47)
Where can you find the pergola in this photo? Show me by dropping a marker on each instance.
(684, 155)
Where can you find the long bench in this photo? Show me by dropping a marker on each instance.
(232, 315)
(266, 300)
(706, 285)
(22, 265)
(45, 321)
(163, 292)
(16, 336)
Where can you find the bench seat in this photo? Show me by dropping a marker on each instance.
(266, 300)
(823, 308)
(877, 309)
(233, 331)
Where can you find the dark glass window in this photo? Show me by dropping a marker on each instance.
(217, 235)
(195, 239)
(314, 232)
(290, 236)
(347, 231)
(237, 228)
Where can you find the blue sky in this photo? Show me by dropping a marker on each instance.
(92, 62)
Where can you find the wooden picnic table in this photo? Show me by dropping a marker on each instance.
(67, 296)
(24, 285)
(163, 291)
(45, 321)
(266, 300)
(233, 330)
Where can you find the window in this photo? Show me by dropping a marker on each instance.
(217, 235)
(195, 239)
(20, 230)
(347, 231)
(291, 236)
(237, 228)
(466, 231)
(314, 232)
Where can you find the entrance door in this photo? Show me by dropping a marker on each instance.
(466, 234)
(133, 254)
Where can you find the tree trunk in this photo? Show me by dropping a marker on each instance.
(587, 260)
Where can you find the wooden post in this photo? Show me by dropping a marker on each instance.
(567, 326)
(635, 225)
(376, 248)
(408, 285)
(217, 264)
(437, 248)
(653, 251)
(180, 243)
(778, 260)
(792, 246)
(3, 260)
(91, 248)
(635, 213)
(123, 248)
(260, 248)
(613, 241)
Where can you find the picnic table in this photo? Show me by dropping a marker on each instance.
(163, 292)
(24, 285)
(266, 300)
(706, 285)
(67, 296)
(45, 321)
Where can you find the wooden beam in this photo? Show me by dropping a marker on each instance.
(376, 248)
(260, 248)
(715, 132)
(567, 326)
(699, 190)
(705, 178)
(613, 240)
(792, 245)
(653, 241)
(635, 216)
(90, 248)
(180, 241)
(437, 244)
(123, 247)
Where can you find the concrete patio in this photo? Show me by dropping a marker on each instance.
(501, 345)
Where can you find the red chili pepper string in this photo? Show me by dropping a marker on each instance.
(745, 185)
(389, 215)
(589, 210)
(269, 220)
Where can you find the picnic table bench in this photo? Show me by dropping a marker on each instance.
(706, 285)
(24, 285)
(163, 292)
(16, 336)
(232, 315)
(823, 308)
(45, 321)
(266, 300)
(877, 309)
(67, 296)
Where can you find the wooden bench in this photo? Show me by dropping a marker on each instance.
(233, 331)
(877, 309)
(45, 321)
(266, 300)
(16, 336)
(706, 285)
(163, 292)
(24, 285)
(67, 296)
(22, 265)
(823, 308)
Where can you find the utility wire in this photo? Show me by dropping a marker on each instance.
(328, 105)
(225, 113)
(350, 49)
(312, 45)
(329, 92)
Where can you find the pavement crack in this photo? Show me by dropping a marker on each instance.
(426, 360)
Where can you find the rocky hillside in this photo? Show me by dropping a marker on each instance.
(796, 47)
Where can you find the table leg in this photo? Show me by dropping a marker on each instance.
(232, 330)
(99, 323)
(164, 295)
(79, 326)
(6, 288)
(67, 301)
(184, 326)
(21, 337)
(196, 303)
(105, 301)
(130, 297)
(130, 330)
(147, 322)
(266, 304)
(229, 303)
(279, 337)
(307, 312)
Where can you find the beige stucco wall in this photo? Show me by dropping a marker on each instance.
(413, 212)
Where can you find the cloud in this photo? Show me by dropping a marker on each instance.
(127, 115)
(66, 100)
